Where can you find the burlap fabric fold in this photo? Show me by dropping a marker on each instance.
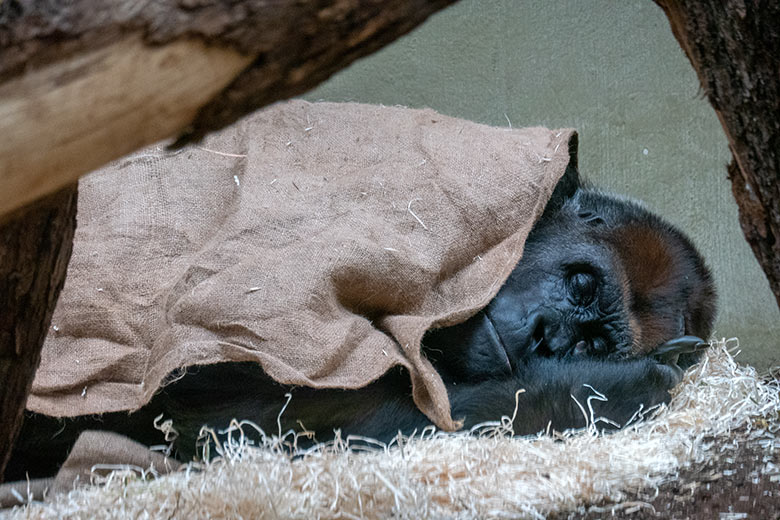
(94, 454)
(319, 240)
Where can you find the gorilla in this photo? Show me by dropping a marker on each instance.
(608, 298)
(601, 277)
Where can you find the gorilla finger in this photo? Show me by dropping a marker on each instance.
(669, 352)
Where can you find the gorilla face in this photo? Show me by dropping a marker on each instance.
(564, 299)
(601, 277)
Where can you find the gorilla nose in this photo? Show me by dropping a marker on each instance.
(549, 337)
(541, 335)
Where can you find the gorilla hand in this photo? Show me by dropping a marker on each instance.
(563, 394)
(668, 354)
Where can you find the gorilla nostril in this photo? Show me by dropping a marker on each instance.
(540, 345)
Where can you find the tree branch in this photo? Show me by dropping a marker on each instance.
(733, 46)
(84, 82)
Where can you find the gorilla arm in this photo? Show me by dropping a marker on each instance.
(562, 394)
(557, 394)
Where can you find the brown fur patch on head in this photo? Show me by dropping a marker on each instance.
(656, 269)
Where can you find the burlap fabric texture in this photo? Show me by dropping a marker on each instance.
(319, 240)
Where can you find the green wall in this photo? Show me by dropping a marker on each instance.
(613, 70)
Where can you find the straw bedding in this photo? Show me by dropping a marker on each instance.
(443, 475)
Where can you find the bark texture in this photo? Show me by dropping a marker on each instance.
(35, 246)
(295, 45)
(84, 82)
(734, 45)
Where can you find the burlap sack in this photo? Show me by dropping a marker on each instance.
(320, 240)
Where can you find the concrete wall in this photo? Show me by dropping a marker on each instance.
(613, 70)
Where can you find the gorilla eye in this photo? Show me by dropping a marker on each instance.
(582, 288)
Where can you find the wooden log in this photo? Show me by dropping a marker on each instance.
(734, 46)
(68, 118)
(83, 82)
(35, 246)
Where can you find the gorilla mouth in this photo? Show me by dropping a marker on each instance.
(495, 337)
